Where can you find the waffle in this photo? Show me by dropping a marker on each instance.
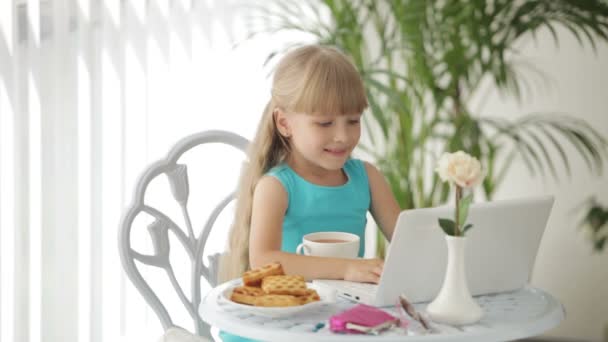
(254, 277)
(310, 296)
(249, 291)
(242, 298)
(284, 285)
(268, 286)
(277, 301)
(246, 294)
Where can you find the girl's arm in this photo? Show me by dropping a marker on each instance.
(384, 208)
(268, 210)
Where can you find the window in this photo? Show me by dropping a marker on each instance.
(90, 93)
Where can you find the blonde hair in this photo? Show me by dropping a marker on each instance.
(311, 79)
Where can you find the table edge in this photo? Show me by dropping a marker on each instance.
(556, 314)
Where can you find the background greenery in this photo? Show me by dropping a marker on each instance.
(595, 224)
(423, 62)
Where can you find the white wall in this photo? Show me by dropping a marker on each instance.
(566, 266)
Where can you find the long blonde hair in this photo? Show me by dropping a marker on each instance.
(312, 79)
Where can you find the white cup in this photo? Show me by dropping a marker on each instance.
(330, 244)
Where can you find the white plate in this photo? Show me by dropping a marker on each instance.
(273, 311)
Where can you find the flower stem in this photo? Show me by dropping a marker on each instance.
(456, 224)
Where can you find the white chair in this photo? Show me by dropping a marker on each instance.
(158, 230)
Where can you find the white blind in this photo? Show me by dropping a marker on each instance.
(90, 93)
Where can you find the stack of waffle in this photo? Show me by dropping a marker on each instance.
(269, 286)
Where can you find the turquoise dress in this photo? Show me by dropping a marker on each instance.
(314, 208)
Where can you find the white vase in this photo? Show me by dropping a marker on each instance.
(454, 304)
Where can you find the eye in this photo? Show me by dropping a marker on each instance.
(353, 121)
(325, 123)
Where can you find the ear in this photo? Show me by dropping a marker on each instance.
(282, 122)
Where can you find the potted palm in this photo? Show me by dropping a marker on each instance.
(422, 62)
(595, 224)
(595, 227)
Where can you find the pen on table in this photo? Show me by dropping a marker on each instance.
(318, 326)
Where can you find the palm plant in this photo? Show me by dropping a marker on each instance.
(595, 223)
(423, 62)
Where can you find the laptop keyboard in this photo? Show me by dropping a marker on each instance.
(348, 286)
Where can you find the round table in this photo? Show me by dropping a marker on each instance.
(507, 316)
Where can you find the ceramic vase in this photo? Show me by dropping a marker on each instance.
(454, 304)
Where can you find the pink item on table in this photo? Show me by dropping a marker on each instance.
(360, 317)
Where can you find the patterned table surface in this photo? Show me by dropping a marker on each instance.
(507, 316)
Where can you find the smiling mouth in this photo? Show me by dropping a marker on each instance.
(335, 152)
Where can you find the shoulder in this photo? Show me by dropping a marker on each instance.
(282, 175)
(366, 167)
(371, 169)
(270, 185)
(279, 171)
(356, 166)
(270, 191)
(373, 174)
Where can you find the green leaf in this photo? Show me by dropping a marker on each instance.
(378, 115)
(463, 209)
(380, 245)
(558, 147)
(543, 149)
(467, 227)
(447, 226)
(423, 61)
(596, 218)
(599, 244)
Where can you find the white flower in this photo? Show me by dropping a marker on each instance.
(460, 168)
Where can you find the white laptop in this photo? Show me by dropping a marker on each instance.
(500, 252)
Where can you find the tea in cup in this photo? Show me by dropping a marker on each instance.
(330, 244)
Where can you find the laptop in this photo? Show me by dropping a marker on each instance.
(500, 252)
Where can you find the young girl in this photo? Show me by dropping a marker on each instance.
(301, 178)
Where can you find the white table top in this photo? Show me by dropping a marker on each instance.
(507, 316)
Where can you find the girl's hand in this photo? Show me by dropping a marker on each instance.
(364, 270)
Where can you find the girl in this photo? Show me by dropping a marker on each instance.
(300, 177)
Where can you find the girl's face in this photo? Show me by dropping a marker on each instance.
(325, 141)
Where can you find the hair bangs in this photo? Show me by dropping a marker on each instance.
(332, 86)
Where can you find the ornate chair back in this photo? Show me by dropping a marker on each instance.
(162, 224)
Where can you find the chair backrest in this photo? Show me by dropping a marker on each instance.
(159, 229)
